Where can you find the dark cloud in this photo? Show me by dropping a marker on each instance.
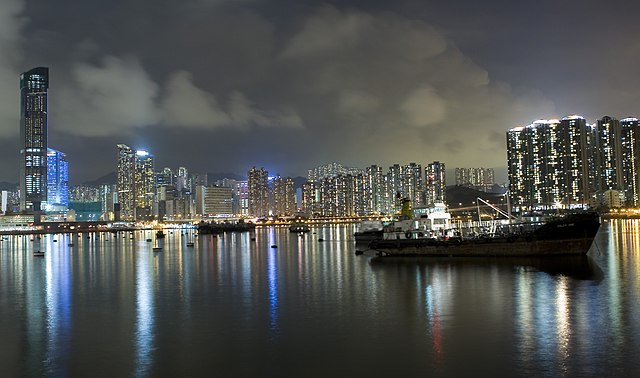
(218, 85)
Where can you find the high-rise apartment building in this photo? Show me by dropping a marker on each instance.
(34, 87)
(311, 201)
(337, 196)
(107, 198)
(330, 170)
(125, 181)
(57, 181)
(241, 198)
(551, 163)
(608, 158)
(284, 196)
(258, 192)
(477, 178)
(413, 184)
(630, 160)
(182, 180)
(144, 185)
(136, 183)
(435, 183)
(374, 191)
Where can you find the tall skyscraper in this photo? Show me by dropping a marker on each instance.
(435, 183)
(284, 196)
(630, 160)
(34, 87)
(374, 190)
(57, 181)
(136, 184)
(608, 157)
(258, 192)
(183, 180)
(413, 184)
(125, 184)
(144, 185)
(551, 163)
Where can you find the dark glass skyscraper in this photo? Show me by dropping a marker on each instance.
(34, 86)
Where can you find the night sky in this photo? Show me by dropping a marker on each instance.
(220, 86)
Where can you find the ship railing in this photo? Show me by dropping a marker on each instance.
(493, 228)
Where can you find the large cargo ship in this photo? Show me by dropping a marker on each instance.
(569, 235)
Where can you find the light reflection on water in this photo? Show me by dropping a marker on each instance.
(235, 306)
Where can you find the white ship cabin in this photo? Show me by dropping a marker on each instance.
(370, 225)
(427, 224)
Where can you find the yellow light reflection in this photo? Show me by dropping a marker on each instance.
(563, 321)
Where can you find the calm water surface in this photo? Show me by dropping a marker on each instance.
(232, 306)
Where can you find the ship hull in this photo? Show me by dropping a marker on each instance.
(483, 248)
(572, 235)
(367, 236)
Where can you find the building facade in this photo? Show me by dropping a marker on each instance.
(552, 163)
(136, 186)
(57, 181)
(435, 183)
(34, 88)
(481, 179)
(284, 196)
(214, 200)
(258, 192)
(630, 160)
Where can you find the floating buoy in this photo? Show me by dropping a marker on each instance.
(274, 246)
(321, 240)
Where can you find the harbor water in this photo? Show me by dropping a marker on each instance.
(278, 304)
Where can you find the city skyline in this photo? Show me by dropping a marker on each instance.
(222, 86)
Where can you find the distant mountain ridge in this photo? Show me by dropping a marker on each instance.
(109, 179)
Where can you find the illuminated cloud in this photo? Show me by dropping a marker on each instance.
(11, 24)
(110, 98)
(296, 86)
(184, 104)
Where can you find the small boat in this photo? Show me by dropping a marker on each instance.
(189, 244)
(157, 249)
(299, 228)
(38, 253)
